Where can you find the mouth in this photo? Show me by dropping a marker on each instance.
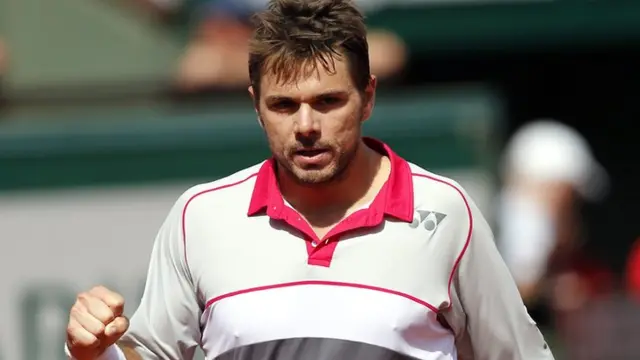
(312, 156)
(310, 152)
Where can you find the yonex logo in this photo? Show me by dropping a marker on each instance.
(429, 219)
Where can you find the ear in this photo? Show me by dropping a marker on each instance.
(253, 97)
(369, 98)
(256, 106)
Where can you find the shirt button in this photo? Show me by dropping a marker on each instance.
(314, 243)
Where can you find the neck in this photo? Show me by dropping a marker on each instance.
(353, 189)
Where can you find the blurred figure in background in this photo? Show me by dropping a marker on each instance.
(548, 171)
(632, 274)
(3, 58)
(217, 53)
(3, 69)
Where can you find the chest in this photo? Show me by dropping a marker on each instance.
(394, 255)
(383, 283)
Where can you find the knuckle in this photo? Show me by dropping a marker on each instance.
(98, 330)
(104, 315)
(76, 312)
(98, 289)
(115, 300)
(122, 322)
(71, 329)
(83, 296)
(119, 299)
(84, 342)
(77, 338)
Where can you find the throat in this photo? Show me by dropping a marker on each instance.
(324, 208)
(323, 221)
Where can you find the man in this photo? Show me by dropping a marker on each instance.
(548, 170)
(336, 248)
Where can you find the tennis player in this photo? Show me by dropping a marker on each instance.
(334, 248)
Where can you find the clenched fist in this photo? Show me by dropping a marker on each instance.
(96, 322)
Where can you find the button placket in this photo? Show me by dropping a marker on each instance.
(315, 243)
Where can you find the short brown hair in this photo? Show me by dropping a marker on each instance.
(292, 36)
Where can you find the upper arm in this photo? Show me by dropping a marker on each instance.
(166, 324)
(487, 311)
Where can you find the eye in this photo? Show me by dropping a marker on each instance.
(326, 103)
(283, 105)
(329, 100)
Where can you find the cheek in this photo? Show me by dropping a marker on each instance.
(346, 130)
(277, 133)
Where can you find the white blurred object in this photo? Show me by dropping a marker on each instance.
(527, 236)
(541, 152)
(545, 150)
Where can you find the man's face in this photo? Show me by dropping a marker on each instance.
(313, 125)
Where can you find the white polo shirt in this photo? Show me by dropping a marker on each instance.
(416, 275)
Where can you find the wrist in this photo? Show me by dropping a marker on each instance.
(113, 352)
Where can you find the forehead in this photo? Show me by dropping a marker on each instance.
(312, 79)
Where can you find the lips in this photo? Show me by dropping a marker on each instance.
(312, 157)
(311, 152)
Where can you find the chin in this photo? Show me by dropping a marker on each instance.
(313, 177)
(310, 175)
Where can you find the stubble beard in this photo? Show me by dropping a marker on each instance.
(332, 173)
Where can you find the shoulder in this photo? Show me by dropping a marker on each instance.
(229, 190)
(454, 210)
(440, 193)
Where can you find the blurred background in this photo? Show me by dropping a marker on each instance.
(110, 109)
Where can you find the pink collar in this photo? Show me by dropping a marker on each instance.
(394, 199)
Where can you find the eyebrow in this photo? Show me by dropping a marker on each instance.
(276, 98)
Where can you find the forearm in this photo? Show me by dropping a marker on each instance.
(113, 352)
(129, 352)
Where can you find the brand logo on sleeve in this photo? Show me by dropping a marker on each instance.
(429, 220)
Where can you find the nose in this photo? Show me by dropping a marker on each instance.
(307, 122)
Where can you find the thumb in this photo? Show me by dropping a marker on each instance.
(115, 329)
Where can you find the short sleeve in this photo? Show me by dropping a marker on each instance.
(166, 324)
(487, 313)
